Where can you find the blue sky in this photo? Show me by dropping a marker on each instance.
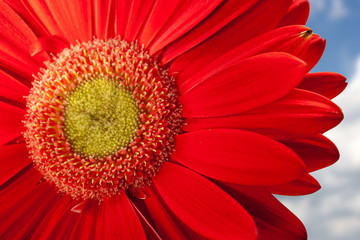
(333, 213)
(338, 22)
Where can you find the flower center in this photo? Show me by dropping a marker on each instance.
(102, 119)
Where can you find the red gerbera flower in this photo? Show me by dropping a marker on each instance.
(160, 119)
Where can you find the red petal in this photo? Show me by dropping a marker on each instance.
(292, 39)
(260, 18)
(164, 222)
(315, 51)
(49, 225)
(103, 17)
(49, 44)
(4, 139)
(118, 220)
(24, 10)
(74, 18)
(161, 11)
(253, 82)
(16, 39)
(328, 84)
(14, 30)
(274, 221)
(21, 186)
(238, 156)
(41, 18)
(84, 227)
(12, 88)
(301, 186)
(299, 114)
(64, 227)
(144, 218)
(122, 10)
(13, 158)
(11, 119)
(15, 61)
(175, 20)
(202, 206)
(23, 205)
(298, 13)
(219, 18)
(138, 12)
(317, 152)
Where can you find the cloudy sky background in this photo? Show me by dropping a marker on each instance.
(333, 213)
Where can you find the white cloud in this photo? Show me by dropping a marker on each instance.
(300, 207)
(333, 213)
(344, 227)
(347, 134)
(338, 10)
(335, 9)
(318, 5)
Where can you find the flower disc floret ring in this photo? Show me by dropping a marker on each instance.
(101, 119)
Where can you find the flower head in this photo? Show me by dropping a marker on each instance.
(102, 118)
(160, 119)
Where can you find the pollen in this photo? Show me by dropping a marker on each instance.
(102, 119)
